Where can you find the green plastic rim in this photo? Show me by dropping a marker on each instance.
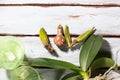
(25, 73)
(11, 52)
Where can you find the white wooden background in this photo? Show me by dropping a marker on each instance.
(24, 18)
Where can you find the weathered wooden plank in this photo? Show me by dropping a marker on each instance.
(28, 20)
(35, 49)
(99, 2)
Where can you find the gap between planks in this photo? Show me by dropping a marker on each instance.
(62, 4)
(52, 35)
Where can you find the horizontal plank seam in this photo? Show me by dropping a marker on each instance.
(52, 35)
(62, 4)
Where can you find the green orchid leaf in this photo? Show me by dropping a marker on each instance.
(11, 52)
(103, 62)
(89, 50)
(24, 73)
(71, 76)
(52, 63)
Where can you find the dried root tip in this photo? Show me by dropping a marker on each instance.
(59, 39)
(51, 50)
(59, 26)
(45, 40)
(60, 30)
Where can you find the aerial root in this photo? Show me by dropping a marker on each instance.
(104, 76)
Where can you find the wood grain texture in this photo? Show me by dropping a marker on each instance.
(99, 2)
(60, 4)
(35, 49)
(24, 18)
(28, 20)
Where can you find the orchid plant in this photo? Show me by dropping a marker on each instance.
(12, 58)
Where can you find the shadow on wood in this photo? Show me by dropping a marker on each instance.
(105, 50)
(63, 48)
(77, 46)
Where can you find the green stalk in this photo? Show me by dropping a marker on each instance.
(67, 36)
(86, 78)
(84, 75)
